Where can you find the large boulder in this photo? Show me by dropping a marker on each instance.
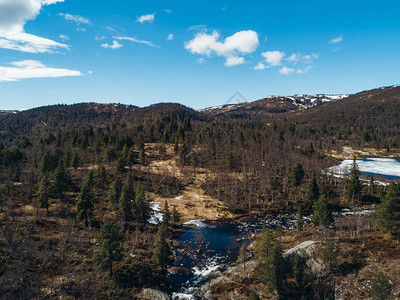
(309, 251)
(152, 294)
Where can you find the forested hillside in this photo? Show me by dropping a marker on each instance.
(79, 185)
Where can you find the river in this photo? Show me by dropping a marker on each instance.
(206, 247)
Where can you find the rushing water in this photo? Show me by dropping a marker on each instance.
(388, 168)
(206, 247)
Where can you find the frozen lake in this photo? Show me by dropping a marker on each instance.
(378, 167)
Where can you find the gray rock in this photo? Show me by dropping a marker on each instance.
(309, 251)
(152, 294)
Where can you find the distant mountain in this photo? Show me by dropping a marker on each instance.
(42, 121)
(378, 107)
(267, 107)
(7, 112)
(348, 114)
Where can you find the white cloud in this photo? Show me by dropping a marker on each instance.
(99, 38)
(13, 16)
(286, 71)
(337, 40)
(170, 37)
(298, 57)
(48, 2)
(234, 61)
(201, 61)
(201, 28)
(112, 29)
(26, 42)
(90, 72)
(80, 29)
(304, 71)
(260, 66)
(307, 59)
(146, 18)
(293, 58)
(114, 45)
(242, 42)
(168, 11)
(32, 69)
(75, 18)
(64, 37)
(135, 40)
(273, 58)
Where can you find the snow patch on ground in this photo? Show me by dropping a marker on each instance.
(353, 213)
(182, 296)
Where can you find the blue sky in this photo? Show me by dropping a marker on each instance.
(197, 53)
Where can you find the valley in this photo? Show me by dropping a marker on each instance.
(166, 202)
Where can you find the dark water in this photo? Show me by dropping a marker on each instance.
(205, 249)
(210, 247)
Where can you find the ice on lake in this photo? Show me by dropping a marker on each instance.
(371, 165)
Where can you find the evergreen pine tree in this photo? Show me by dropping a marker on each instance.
(162, 252)
(371, 186)
(353, 187)
(230, 164)
(272, 270)
(183, 151)
(125, 200)
(388, 212)
(111, 241)
(101, 177)
(75, 160)
(296, 174)
(175, 215)
(84, 206)
(131, 159)
(312, 190)
(264, 244)
(114, 193)
(166, 214)
(90, 180)
(142, 210)
(322, 214)
(61, 181)
(125, 153)
(120, 165)
(176, 146)
(329, 254)
(43, 193)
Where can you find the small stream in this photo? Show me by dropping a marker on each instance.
(206, 247)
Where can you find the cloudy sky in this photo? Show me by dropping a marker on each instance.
(195, 52)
